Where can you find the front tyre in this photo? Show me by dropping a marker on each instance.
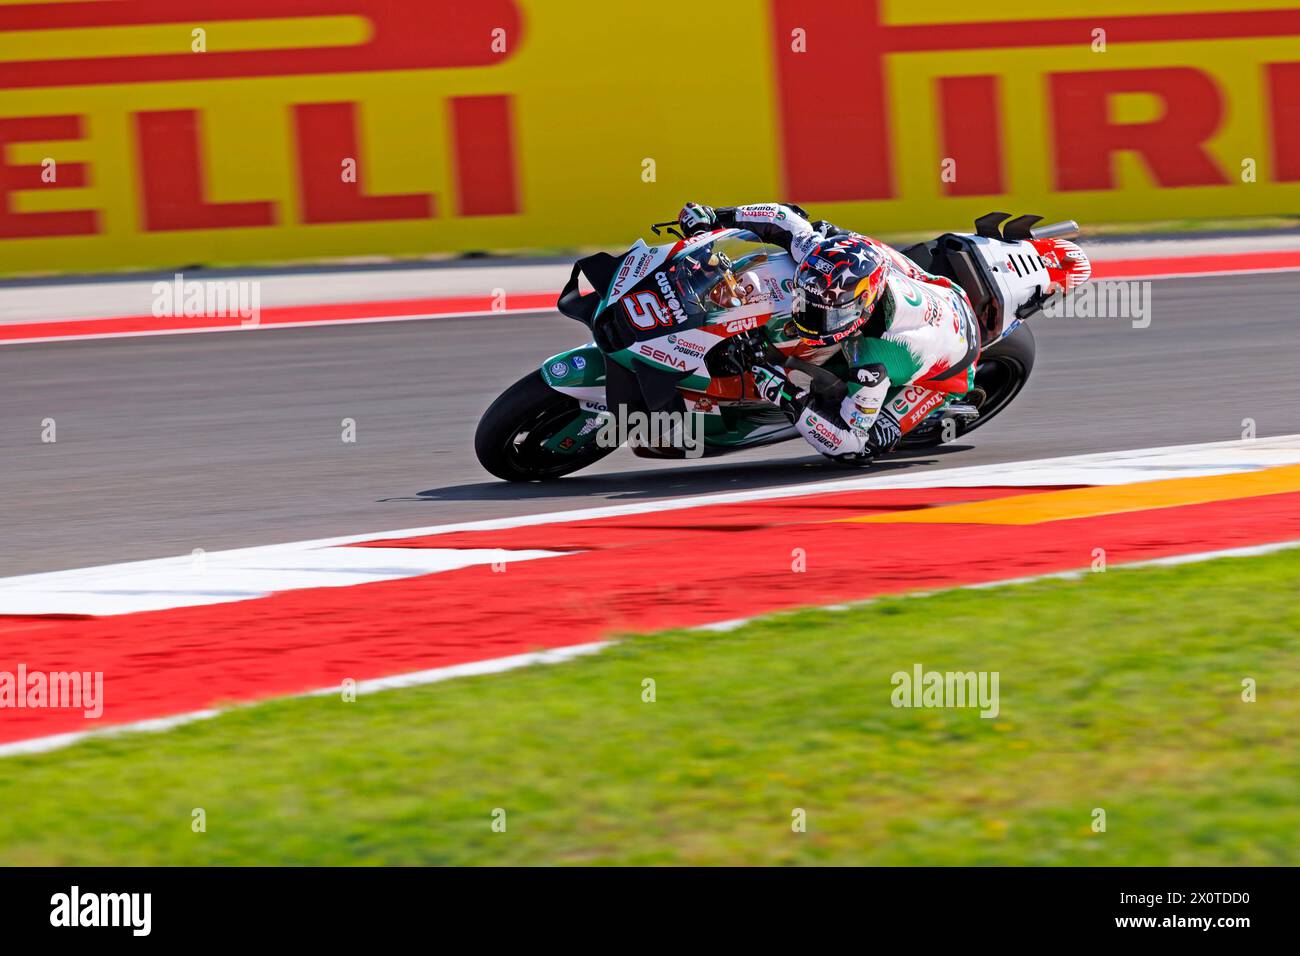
(511, 434)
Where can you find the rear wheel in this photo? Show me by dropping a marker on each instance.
(511, 434)
(1002, 372)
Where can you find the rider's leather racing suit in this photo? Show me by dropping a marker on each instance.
(922, 330)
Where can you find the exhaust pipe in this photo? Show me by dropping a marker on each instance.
(1067, 229)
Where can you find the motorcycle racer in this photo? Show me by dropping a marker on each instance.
(897, 325)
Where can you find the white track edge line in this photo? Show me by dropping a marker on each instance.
(935, 478)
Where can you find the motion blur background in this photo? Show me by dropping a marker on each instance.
(161, 134)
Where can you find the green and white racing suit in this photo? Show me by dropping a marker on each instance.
(916, 352)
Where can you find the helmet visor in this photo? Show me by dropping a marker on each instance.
(818, 322)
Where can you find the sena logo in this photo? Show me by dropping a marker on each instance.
(636, 269)
(658, 355)
(622, 274)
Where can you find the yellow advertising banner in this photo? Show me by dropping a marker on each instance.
(171, 133)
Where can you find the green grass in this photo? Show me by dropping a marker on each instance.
(1119, 690)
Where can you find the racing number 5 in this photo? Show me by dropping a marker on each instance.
(645, 311)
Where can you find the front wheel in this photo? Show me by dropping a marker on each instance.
(1002, 372)
(511, 436)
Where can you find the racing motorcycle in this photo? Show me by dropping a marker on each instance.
(677, 326)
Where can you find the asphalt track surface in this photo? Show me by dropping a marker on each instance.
(215, 441)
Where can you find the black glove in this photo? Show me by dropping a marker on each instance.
(884, 433)
(695, 218)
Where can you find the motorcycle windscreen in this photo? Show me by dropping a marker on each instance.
(727, 274)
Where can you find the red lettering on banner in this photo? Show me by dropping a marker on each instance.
(834, 109)
(832, 102)
(326, 137)
(971, 134)
(404, 35)
(13, 178)
(483, 137)
(1284, 108)
(171, 178)
(1172, 146)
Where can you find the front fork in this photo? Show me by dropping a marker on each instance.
(580, 374)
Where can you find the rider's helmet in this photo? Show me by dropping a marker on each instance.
(836, 287)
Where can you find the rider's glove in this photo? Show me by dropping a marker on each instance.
(696, 218)
(769, 382)
(774, 386)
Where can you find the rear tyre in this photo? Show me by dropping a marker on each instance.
(1002, 372)
(510, 435)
